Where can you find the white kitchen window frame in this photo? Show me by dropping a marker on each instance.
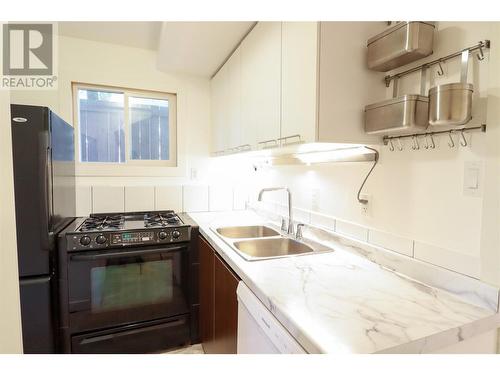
(130, 167)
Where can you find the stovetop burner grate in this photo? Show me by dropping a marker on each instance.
(98, 223)
(160, 219)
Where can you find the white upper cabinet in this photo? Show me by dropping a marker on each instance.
(291, 79)
(299, 81)
(233, 101)
(261, 83)
(226, 105)
(220, 117)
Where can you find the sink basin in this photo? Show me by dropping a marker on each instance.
(251, 231)
(277, 247)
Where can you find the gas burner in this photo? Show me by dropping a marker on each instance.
(99, 223)
(162, 219)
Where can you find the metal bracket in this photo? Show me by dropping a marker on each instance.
(484, 44)
(388, 139)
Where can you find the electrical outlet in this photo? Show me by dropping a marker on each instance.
(365, 207)
(315, 200)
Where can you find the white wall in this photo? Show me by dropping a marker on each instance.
(417, 195)
(10, 322)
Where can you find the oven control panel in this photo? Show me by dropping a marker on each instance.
(129, 238)
(99, 240)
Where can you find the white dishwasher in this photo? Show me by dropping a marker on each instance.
(259, 332)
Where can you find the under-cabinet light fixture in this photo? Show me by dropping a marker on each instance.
(351, 154)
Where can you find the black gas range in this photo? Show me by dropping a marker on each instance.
(128, 229)
(128, 283)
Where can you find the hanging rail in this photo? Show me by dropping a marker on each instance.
(415, 145)
(482, 44)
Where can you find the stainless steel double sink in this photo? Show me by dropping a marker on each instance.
(258, 242)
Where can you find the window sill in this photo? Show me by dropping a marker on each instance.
(127, 170)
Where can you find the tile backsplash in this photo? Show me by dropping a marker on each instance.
(198, 198)
(168, 198)
(391, 242)
(444, 258)
(180, 198)
(139, 198)
(352, 230)
(195, 198)
(107, 199)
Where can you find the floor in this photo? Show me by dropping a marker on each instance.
(192, 349)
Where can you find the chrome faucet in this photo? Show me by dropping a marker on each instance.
(289, 227)
(299, 235)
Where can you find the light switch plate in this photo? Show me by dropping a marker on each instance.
(473, 178)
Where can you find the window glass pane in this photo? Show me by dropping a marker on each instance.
(101, 126)
(149, 129)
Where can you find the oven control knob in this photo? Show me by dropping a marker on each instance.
(100, 239)
(162, 235)
(85, 240)
(176, 234)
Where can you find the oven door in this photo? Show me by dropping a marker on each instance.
(117, 287)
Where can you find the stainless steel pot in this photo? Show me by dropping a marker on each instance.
(450, 104)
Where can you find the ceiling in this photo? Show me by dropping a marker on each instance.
(132, 34)
(197, 48)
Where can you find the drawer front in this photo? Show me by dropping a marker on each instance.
(143, 338)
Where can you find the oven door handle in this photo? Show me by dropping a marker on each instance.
(96, 339)
(121, 254)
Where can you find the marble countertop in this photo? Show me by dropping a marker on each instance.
(341, 302)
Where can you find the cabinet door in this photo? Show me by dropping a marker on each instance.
(261, 83)
(299, 80)
(226, 308)
(233, 103)
(206, 279)
(219, 91)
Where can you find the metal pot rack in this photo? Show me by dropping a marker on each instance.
(429, 138)
(480, 46)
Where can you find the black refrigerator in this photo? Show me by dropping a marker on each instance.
(45, 200)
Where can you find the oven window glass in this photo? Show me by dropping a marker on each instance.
(116, 287)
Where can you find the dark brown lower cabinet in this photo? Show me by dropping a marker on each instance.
(206, 289)
(218, 302)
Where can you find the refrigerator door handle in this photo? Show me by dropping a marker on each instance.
(50, 199)
(45, 213)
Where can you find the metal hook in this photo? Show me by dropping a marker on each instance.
(426, 146)
(463, 141)
(400, 145)
(433, 145)
(440, 71)
(480, 55)
(391, 145)
(451, 143)
(415, 145)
